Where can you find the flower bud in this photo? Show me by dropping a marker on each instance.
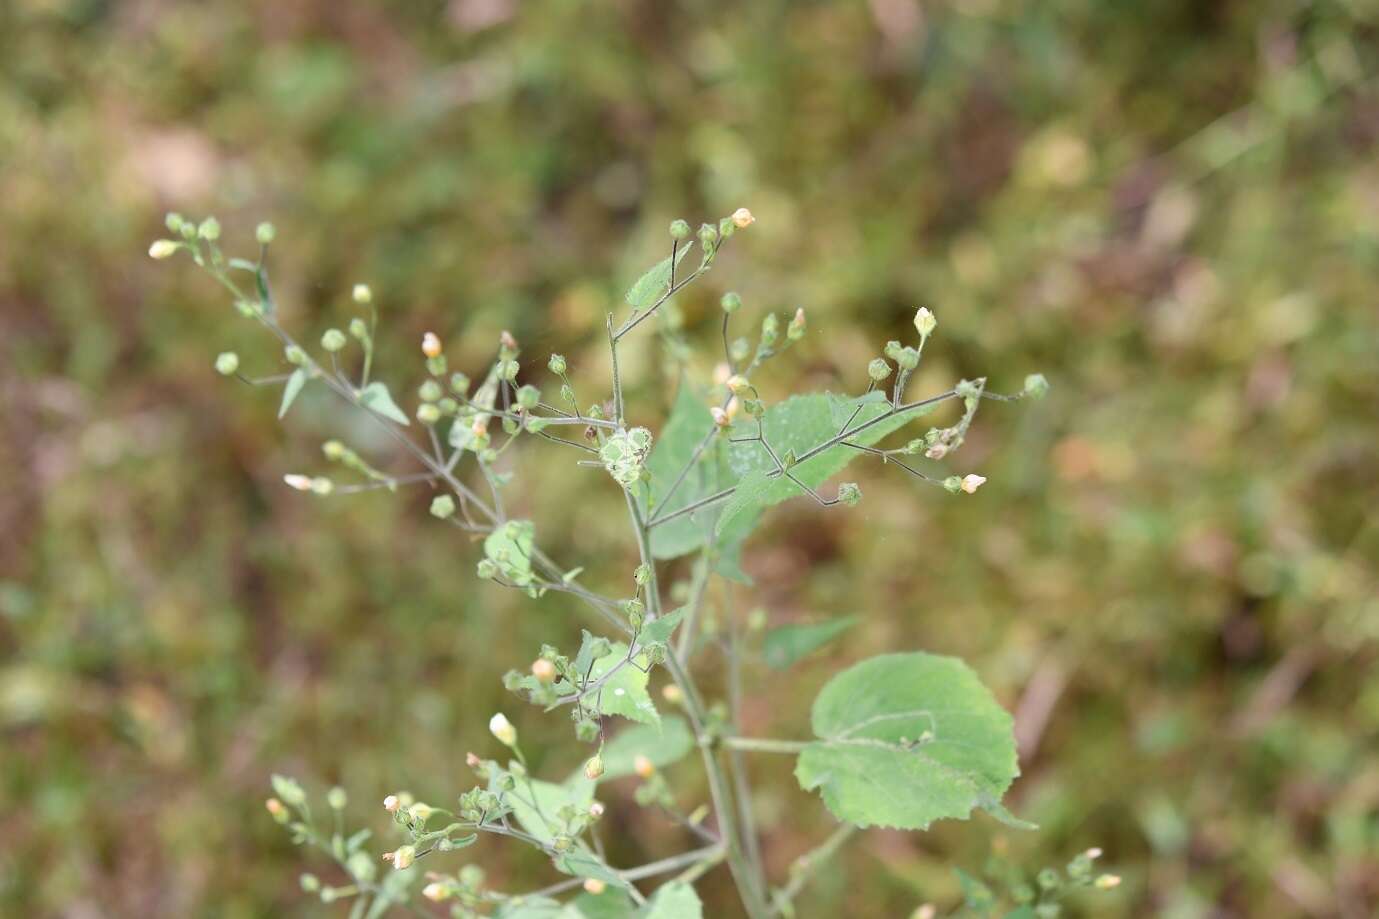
(501, 728)
(953, 483)
(295, 356)
(528, 396)
(430, 391)
(174, 222)
(596, 809)
(337, 798)
(679, 230)
(795, 331)
(265, 233)
(436, 892)
(594, 886)
(322, 486)
(209, 229)
(971, 482)
(507, 343)
(849, 493)
(333, 340)
(299, 482)
(593, 769)
(1036, 386)
(672, 694)
(362, 294)
(310, 883)
(893, 350)
(878, 369)
(708, 235)
(359, 329)
(908, 359)
(720, 417)
(403, 857)
(163, 248)
(472, 760)
(731, 302)
(925, 323)
(643, 766)
(430, 345)
(277, 809)
(556, 365)
(770, 330)
(428, 413)
(391, 804)
(226, 363)
(1107, 882)
(443, 507)
(543, 670)
(738, 385)
(742, 218)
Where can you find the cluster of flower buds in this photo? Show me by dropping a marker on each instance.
(968, 483)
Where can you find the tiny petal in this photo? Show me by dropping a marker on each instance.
(742, 218)
(391, 804)
(643, 766)
(362, 293)
(430, 345)
(971, 482)
(501, 728)
(594, 886)
(1108, 881)
(162, 248)
(925, 323)
(435, 892)
(299, 482)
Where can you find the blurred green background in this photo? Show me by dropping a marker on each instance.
(1170, 208)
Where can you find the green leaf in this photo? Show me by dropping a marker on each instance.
(663, 746)
(290, 391)
(510, 548)
(535, 804)
(650, 286)
(675, 900)
(798, 425)
(661, 629)
(625, 692)
(906, 739)
(786, 644)
(688, 423)
(376, 398)
(747, 501)
(613, 903)
(585, 864)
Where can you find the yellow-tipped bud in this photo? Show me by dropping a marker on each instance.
(643, 766)
(742, 218)
(430, 345)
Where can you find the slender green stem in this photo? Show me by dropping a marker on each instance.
(749, 885)
(765, 745)
(804, 868)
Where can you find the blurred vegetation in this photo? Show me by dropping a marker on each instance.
(1171, 209)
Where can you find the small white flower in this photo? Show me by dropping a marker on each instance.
(925, 323)
(435, 892)
(299, 482)
(720, 417)
(500, 727)
(643, 766)
(594, 886)
(391, 804)
(430, 345)
(742, 218)
(162, 248)
(971, 482)
(1108, 881)
(362, 293)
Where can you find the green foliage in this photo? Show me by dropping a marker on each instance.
(906, 739)
(675, 901)
(623, 692)
(376, 397)
(786, 644)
